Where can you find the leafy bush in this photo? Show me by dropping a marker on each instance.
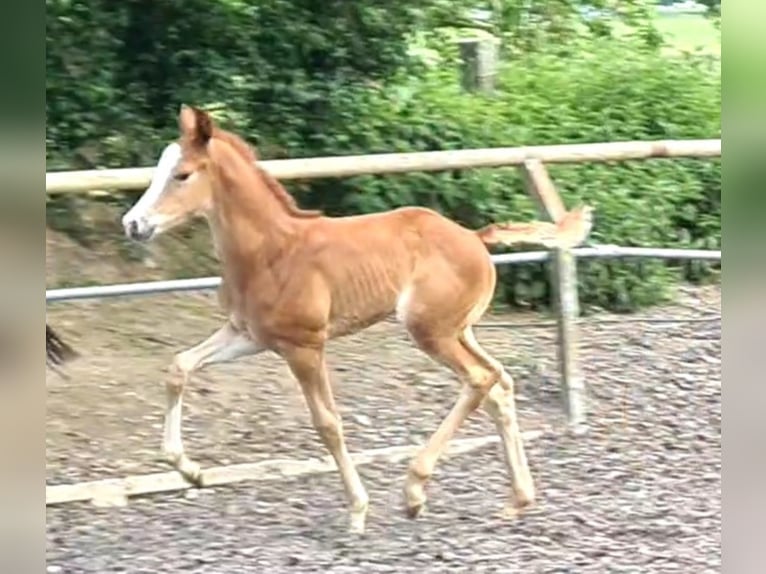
(116, 72)
(611, 91)
(305, 79)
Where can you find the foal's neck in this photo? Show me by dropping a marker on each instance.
(249, 225)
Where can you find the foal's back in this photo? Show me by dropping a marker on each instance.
(412, 261)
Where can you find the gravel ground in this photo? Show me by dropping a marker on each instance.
(639, 493)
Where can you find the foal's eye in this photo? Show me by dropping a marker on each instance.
(181, 176)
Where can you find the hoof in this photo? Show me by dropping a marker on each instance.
(415, 510)
(358, 518)
(357, 525)
(191, 471)
(514, 510)
(415, 497)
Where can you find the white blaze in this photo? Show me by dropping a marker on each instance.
(162, 173)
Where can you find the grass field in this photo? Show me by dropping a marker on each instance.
(690, 32)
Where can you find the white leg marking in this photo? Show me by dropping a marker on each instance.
(500, 405)
(403, 304)
(226, 344)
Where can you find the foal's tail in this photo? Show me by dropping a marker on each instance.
(571, 231)
(56, 350)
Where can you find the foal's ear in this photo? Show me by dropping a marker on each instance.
(195, 124)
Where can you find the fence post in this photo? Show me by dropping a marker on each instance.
(479, 61)
(564, 281)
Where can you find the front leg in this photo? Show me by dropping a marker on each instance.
(226, 344)
(308, 366)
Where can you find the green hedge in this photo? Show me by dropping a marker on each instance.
(612, 91)
(603, 90)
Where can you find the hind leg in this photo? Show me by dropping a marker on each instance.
(478, 377)
(500, 406)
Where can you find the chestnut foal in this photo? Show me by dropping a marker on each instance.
(294, 279)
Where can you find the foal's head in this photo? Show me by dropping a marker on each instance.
(182, 185)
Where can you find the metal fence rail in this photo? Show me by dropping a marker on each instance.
(204, 283)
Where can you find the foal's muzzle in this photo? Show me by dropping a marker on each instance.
(138, 229)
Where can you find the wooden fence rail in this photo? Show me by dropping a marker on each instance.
(346, 166)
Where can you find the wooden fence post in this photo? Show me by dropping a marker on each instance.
(479, 63)
(564, 281)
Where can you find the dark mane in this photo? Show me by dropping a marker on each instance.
(280, 193)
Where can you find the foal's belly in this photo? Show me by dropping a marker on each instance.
(357, 313)
(364, 294)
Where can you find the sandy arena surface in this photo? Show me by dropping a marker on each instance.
(639, 493)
